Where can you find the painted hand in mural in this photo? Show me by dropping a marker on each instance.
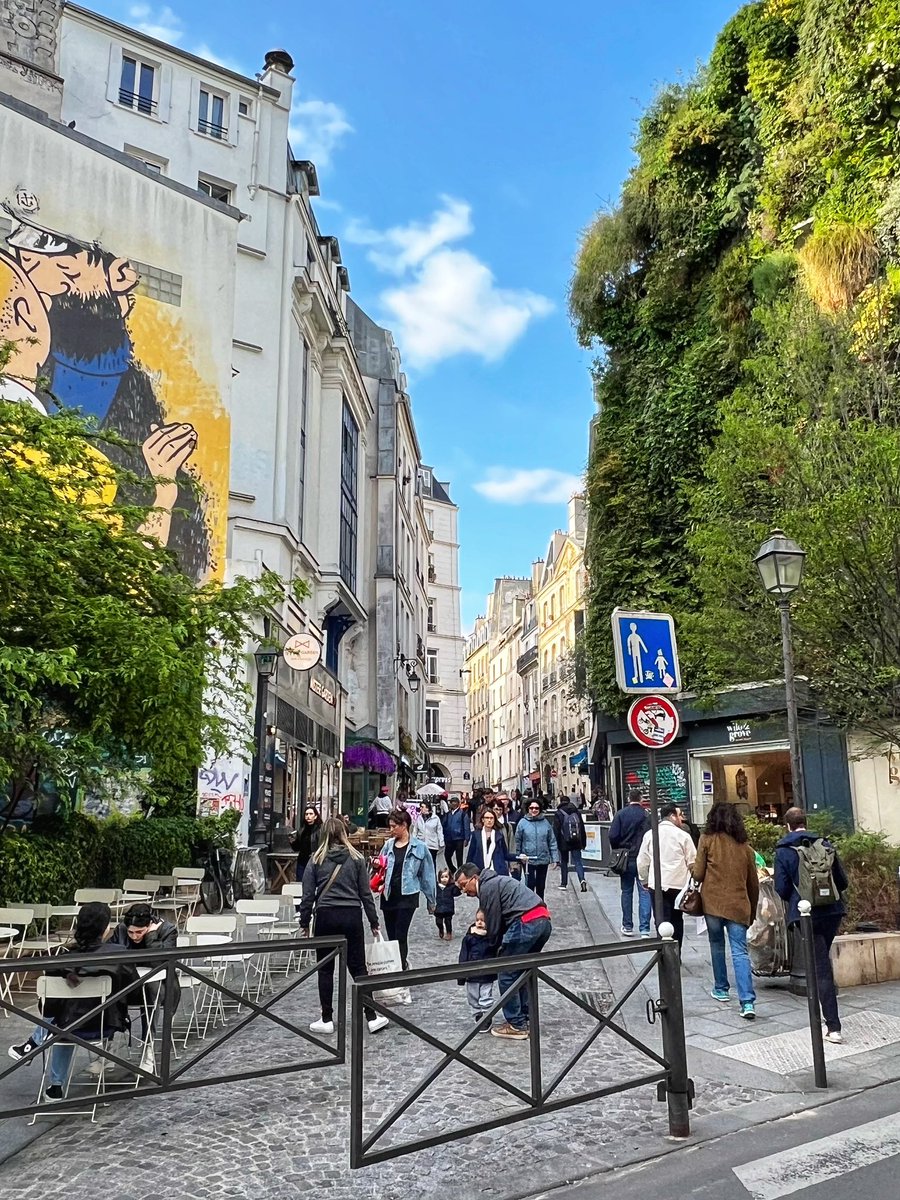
(165, 452)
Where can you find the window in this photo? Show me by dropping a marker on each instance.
(244, 107)
(304, 394)
(432, 721)
(349, 457)
(212, 115)
(432, 663)
(218, 191)
(432, 624)
(432, 574)
(150, 161)
(137, 85)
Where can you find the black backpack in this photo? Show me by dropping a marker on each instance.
(571, 830)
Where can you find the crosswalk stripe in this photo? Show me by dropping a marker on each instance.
(813, 1163)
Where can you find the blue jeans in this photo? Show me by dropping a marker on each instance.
(629, 880)
(521, 939)
(565, 857)
(716, 928)
(61, 1054)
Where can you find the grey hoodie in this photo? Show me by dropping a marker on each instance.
(502, 899)
(351, 887)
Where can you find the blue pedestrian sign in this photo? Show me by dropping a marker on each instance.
(646, 652)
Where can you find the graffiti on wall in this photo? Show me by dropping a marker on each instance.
(671, 782)
(83, 337)
(222, 786)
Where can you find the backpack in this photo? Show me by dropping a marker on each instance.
(815, 874)
(571, 830)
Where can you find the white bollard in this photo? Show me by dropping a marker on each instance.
(667, 930)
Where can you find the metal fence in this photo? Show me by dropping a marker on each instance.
(668, 1071)
(197, 983)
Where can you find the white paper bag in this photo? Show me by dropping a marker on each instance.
(382, 958)
(701, 924)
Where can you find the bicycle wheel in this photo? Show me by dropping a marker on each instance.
(227, 887)
(211, 895)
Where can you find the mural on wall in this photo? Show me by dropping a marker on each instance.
(671, 783)
(70, 307)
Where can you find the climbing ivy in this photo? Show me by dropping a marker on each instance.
(743, 300)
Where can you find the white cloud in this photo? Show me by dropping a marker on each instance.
(161, 23)
(405, 246)
(449, 302)
(317, 126)
(542, 485)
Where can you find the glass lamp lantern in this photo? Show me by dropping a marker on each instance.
(780, 564)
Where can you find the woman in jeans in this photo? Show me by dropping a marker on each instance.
(408, 873)
(336, 885)
(536, 846)
(726, 867)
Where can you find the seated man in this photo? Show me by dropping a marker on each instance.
(89, 934)
(142, 929)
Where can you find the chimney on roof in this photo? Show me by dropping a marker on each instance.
(279, 60)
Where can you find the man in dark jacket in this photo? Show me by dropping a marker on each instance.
(142, 929)
(626, 833)
(571, 837)
(457, 831)
(826, 918)
(517, 922)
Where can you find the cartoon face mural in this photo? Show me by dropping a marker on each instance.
(70, 307)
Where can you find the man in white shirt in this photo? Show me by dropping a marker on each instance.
(677, 853)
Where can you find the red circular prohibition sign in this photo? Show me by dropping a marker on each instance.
(653, 721)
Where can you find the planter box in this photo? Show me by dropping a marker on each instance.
(859, 958)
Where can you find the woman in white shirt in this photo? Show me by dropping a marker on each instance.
(677, 853)
(430, 830)
(487, 845)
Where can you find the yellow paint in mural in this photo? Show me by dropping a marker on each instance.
(166, 353)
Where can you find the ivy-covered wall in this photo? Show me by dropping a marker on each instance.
(743, 300)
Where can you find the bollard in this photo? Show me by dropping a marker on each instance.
(812, 994)
(679, 1087)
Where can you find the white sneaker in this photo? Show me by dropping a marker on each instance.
(626, 932)
(378, 1023)
(322, 1027)
(834, 1036)
(405, 997)
(95, 1068)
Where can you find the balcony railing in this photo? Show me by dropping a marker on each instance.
(132, 100)
(211, 129)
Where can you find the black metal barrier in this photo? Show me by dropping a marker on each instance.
(670, 1075)
(204, 968)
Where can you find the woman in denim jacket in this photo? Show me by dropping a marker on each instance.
(409, 871)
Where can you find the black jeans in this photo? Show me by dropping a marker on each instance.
(536, 877)
(434, 854)
(824, 932)
(396, 923)
(340, 921)
(444, 922)
(673, 914)
(455, 850)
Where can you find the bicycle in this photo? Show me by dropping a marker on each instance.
(217, 885)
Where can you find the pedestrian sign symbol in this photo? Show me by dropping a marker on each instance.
(646, 652)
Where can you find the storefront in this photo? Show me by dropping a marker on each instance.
(304, 745)
(736, 752)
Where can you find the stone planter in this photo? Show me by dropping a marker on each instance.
(859, 958)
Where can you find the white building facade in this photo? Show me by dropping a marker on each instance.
(450, 758)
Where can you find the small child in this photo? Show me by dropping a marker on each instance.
(479, 988)
(445, 904)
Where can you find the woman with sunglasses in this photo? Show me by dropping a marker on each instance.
(409, 872)
(536, 846)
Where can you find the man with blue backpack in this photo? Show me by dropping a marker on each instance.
(807, 867)
(571, 836)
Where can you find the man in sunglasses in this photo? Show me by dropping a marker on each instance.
(518, 922)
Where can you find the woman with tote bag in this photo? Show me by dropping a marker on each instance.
(409, 872)
(336, 886)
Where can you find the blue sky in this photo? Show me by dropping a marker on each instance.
(461, 149)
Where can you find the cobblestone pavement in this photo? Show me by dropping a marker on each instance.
(288, 1135)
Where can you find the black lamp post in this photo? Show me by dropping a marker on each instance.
(266, 661)
(780, 565)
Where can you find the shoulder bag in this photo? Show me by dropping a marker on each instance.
(331, 878)
(619, 862)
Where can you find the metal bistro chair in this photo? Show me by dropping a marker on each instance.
(97, 895)
(257, 920)
(221, 929)
(17, 918)
(50, 987)
(186, 892)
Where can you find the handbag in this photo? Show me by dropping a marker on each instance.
(691, 900)
(379, 870)
(383, 958)
(619, 863)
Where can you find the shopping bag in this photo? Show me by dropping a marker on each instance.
(701, 925)
(382, 958)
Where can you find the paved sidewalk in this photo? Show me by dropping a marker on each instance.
(288, 1135)
(773, 1052)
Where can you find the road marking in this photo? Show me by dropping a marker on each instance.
(816, 1162)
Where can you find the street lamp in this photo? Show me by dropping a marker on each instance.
(266, 657)
(780, 565)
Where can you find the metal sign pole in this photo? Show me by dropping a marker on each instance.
(654, 835)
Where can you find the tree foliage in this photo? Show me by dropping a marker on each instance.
(107, 650)
(743, 297)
